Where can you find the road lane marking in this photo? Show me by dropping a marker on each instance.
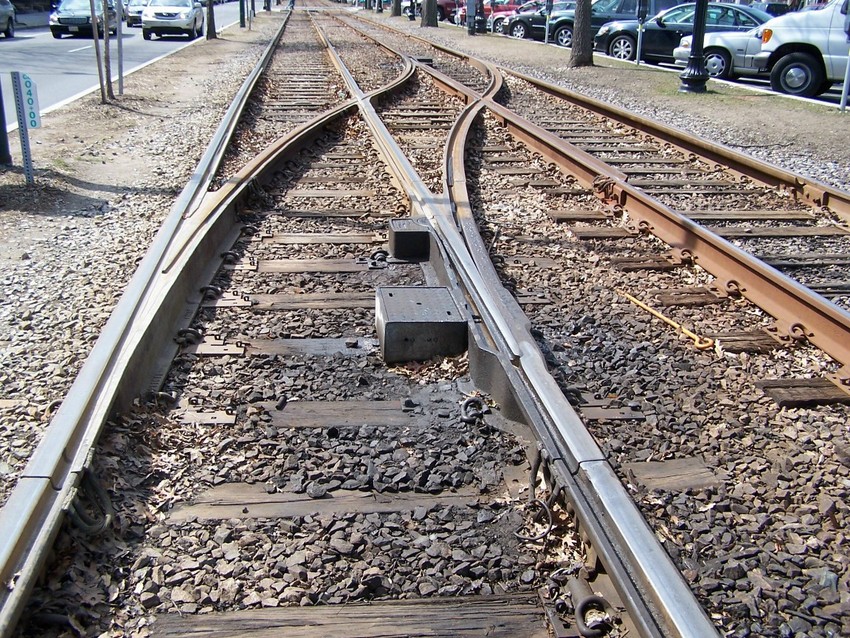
(81, 48)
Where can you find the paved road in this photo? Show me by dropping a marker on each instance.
(65, 69)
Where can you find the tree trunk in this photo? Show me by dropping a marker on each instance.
(429, 13)
(211, 34)
(97, 55)
(396, 9)
(582, 51)
(107, 61)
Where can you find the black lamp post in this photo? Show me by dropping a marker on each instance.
(694, 76)
(5, 155)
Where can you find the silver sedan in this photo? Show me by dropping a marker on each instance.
(727, 54)
(172, 17)
(7, 18)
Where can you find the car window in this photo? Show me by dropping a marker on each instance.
(720, 16)
(74, 5)
(679, 15)
(628, 6)
(605, 6)
(746, 20)
(663, 5)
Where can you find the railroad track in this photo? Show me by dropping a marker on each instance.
(289, 462)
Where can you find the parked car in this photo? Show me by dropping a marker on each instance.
(73, 17)
(663, 32)
(561, 22)
(806, 51)
(500, 5)
(133, 12)
(7, 18)
(728, 54)
(446, 9)
(773, 8)
(172, 17)
(497, 20)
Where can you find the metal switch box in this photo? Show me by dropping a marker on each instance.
(416, 323)
(409, 240)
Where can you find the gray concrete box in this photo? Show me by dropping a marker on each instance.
(416, 323)
(409, 240)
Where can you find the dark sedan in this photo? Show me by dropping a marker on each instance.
(662, 33)
(532, 24)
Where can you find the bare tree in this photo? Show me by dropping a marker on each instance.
(396, 9)
(107, 61)
(582, 53)
(429, 13)
(97, 55)
(211, 34)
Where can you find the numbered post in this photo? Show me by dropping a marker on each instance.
(29, 116)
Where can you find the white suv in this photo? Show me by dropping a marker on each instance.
(172, 17)
(805, 52)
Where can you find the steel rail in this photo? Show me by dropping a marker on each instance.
(809, 190)
(34, 511)
(800, 313)
(659, 600)
(435, 208)
(657, 597)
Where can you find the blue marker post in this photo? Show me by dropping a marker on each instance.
(26, 108)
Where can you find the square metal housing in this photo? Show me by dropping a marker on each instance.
(409, 240)
(416, 323)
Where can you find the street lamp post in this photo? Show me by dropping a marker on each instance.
(5, 155)
(695, 76)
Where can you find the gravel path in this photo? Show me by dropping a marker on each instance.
(106, 177)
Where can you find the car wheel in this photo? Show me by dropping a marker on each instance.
(146, 34)
(498, 25)
(564, 36)
(519, 30)
(56, 34)
(797, 74)
(825, 86)
(9, 32)
(441, 14)
(622, 47)
(718, 64)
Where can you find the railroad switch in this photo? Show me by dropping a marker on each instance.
(416, 323)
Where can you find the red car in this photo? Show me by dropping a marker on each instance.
(501, 16)
(502, 6)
